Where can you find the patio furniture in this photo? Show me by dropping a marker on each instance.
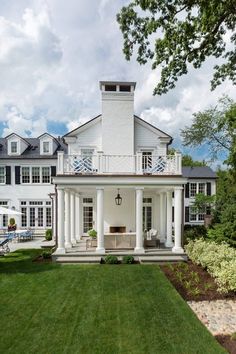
(4, 248)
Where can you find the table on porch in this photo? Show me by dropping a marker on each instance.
(116, 240)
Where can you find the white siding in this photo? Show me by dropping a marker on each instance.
(90, 137)
(144, 138)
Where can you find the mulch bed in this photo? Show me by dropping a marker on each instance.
(228, 343)
(193, 282)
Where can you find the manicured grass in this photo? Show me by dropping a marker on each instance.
(48, 308)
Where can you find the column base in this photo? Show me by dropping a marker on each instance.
(68, 245)
(100, 250)
(78, 238)
(139, 250)
(73, 242)
(60, 251)
(177, 249)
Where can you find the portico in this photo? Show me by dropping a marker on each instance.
(146, 203)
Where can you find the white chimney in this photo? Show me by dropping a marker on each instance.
(117, 117)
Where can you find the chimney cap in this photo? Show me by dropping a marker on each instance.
(120, 83)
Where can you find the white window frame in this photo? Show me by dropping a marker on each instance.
(4, 218)
(40, 175)
(36, 204)
(87, 204)
(46, 143)
(197, 188)
(196, 215)
(3, 175)
(17, 147)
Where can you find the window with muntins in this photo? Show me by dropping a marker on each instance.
(13, 147)
(46, 174)
(35, 174)
(25, 175)
(46, 147)
(4, 218)
(36, 213)
(2, 174)
(193, 189)
(202, 188)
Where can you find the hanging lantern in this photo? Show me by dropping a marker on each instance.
(118, 198)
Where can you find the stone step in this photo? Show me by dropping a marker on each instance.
(163, 258)
(77, 259)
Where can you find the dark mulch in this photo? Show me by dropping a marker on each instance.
(227, 342)
(193, 282)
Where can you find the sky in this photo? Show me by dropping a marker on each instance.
(53, 53)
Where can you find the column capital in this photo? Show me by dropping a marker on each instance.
(139, 188)
(178, 188)
(60, 188)
(99, 188)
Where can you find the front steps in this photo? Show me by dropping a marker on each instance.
(90, 257)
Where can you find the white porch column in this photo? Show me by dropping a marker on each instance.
(178, 219)
(72, 218)
(67, 219)
(77, 217)
(54, 216)
(139, 221)
(60, 221)
(169, 242)
(162, 216)
(100, 220)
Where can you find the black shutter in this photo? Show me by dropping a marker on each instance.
(187, 190)
(8, 174)
(186, 214)
(208, 188)
(53, 172)
(173, 214)
(208, 210)
(17, 174)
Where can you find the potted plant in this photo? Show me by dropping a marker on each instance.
(12, 225)
(48, 234)
(92, 233)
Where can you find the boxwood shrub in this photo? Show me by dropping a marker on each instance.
(128, 259)
(110, 259)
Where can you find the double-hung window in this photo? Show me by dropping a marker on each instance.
(193, 189)
(46, 175)
(2, 174)
(46, 147)
(35, 174)
(25, 174)
(13, 147)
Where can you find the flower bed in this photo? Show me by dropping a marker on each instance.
(219, 260)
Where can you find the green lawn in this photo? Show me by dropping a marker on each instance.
(48, 308)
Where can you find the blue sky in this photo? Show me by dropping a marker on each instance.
(53, 54)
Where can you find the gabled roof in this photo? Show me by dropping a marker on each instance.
(82, 126)
(198, 172)
(152, 127)
(8, 136)
(47, 134)
(93, 120)
(32, 151)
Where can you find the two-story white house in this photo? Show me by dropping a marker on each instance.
(118, 179)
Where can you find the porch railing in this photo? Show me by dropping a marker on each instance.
(119, 164)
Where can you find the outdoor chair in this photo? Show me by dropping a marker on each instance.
(4, 248)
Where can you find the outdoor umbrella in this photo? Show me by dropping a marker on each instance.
(6, 211)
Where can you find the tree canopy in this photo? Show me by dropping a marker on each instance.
(213, 128)
(175, 34)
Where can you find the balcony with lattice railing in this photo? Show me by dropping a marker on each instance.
(138, 164)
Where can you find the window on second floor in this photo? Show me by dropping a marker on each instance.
(46, 147)
(2, 174)
(196, 188)
(146, 159)
(13, 147)
(35, 175)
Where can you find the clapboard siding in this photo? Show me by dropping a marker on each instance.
(92, 136)
(145, 138)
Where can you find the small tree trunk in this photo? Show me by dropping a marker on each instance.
(208, 220)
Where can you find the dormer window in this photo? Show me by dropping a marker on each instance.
(110, 87)
(125, 88)
(13, 147)
(46, 147)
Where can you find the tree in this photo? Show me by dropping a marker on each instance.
(213, 128)
(186, 32)
(203, 203)
(187, 160)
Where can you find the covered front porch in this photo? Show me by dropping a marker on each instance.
(147, 204)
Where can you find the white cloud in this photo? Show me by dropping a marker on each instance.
(54, 53)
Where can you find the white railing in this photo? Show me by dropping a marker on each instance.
(119, 164)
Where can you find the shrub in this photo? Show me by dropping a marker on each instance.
(111, 259)
(218, 233)
(128, 259)
(12, 221)
(92, 233)
(46, 254)
(192, 232)
(48, 234)
(218, 259)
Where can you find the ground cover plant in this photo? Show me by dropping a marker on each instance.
(218, 259)
(49, 308)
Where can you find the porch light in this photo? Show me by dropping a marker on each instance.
(118, 198)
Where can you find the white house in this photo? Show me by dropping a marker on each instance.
(114, 153)
(117, 154)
